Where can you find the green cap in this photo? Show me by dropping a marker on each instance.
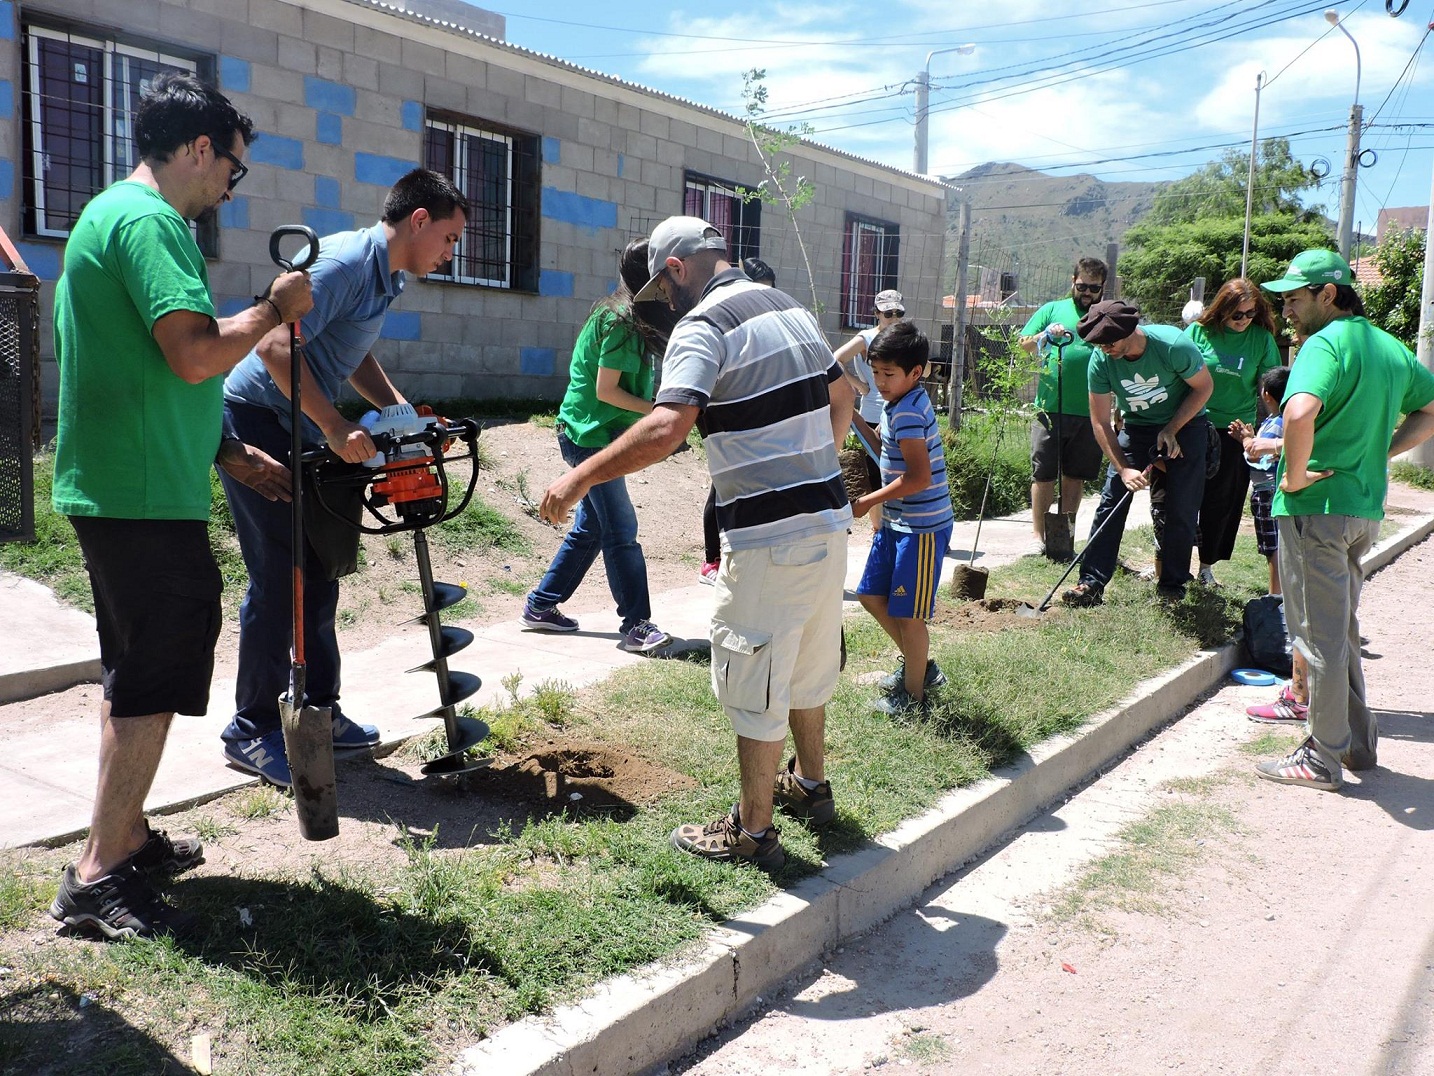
(1311, 268)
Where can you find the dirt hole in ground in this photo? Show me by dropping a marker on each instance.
(579, 775)
(988, 614)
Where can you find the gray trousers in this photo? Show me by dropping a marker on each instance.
(1321, 577)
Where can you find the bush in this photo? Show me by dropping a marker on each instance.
(983, 446)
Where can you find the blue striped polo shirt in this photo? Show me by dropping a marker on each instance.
(907, 419)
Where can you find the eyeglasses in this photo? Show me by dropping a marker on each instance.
(240, 169)
(1242, 315)
(1089, 289)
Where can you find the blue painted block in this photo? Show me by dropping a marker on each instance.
(234, 213)
(329, 128)
(621, 164)
(328, 96)
(412, 115)
(7, 178)
(552, 150)
(278, 151)
(383, 171)
(593, 213)
(7, 21)
(326, 191)
(7, 99)
(328, 221)
(234, 74)
(42, 258)
(555, 282)
(537, 361)
(402, 325)
(229, 307)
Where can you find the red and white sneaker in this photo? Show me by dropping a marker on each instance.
(1303, 766)
(1285, 710)
(708, 574)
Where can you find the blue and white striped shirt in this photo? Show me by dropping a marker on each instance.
(911, 418)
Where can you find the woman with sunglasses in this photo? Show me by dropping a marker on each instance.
(1236, 334)
(890, 308)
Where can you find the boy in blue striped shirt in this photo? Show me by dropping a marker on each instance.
(903, 570)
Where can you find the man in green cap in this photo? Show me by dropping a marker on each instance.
(1347, 391)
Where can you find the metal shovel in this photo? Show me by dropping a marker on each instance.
(308, 730)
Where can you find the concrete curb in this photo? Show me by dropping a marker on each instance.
(31, 683)
(631, 1022)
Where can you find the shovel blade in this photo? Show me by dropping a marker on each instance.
(309, 745)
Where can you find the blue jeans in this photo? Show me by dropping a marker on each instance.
(603, 523)
(266, 617)
(1184, 486)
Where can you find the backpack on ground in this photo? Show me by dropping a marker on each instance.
(1266, 637)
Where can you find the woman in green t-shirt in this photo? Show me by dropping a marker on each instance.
(1236, 335)
(610, 387)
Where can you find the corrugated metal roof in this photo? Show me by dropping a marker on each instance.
(519, 50)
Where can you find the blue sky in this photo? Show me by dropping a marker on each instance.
(1140, 90)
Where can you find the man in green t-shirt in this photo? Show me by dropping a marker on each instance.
(1160, 383)
(141, 358)
(1345, 394)
(1062, 408)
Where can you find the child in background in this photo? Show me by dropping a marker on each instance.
(1262, 452)
(1263, 448)
(903, 570)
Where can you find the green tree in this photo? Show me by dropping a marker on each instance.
(1393, 304)
(1218, 189)
(1161, 260)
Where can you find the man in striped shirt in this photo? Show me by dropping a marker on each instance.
(903, 569)
(749, 366)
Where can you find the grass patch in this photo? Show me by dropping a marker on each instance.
(261, 801)
(925, 1047)
(1273, 744)
(480, 526)
(1411, 474)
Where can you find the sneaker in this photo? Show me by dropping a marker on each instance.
(1206, 578)
(891, 681)
(122, 904)
(725, 840)
(1302, 766)
(814, 805)
(708, 573)
(899, 704)
(350, 735)
(546, 620)
(1148, 575)
(263, 755)
(165, 857)
(644, 637)
(1083, 595)
(1284, 710)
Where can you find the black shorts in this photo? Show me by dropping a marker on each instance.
(156, 589)
(1081, 456)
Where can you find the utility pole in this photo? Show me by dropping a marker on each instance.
(923, 107)
(1250, 182)
(1424, 454)
(1346, 188)
(957, 376)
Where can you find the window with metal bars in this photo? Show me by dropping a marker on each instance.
(497, 170)
(869, 262)
(81, 94)
(721, 204)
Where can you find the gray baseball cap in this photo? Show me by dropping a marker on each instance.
(676, 237)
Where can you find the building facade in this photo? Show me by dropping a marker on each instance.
(563, 166)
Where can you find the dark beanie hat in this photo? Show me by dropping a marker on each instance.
(1108, 322)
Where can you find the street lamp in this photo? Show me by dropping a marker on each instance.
(923, 100)
(1351, 159)
(1250, 182)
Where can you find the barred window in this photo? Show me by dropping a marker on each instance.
(870, 250)
(81, 93)
(723, 206)
(497, 171)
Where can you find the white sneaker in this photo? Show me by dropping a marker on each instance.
(1206, 578)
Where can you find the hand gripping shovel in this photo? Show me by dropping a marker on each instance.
(308, 730)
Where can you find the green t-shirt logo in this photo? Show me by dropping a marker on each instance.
(1142, 393)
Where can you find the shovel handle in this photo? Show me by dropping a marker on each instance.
(276, 239)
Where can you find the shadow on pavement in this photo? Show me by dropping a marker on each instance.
(50, 1029)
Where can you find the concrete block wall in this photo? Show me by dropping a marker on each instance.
(339, 91)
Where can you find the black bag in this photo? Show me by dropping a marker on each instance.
(1266, 637)
(334, 541)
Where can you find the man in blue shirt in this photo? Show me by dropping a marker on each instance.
(357, 276)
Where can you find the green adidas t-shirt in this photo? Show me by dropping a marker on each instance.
(1150, 389)
(1365, 379)
(135, 441)
(1075, 361)
(1236, 362)
(608, 342)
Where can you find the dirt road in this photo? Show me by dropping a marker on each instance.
(1176, 914)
